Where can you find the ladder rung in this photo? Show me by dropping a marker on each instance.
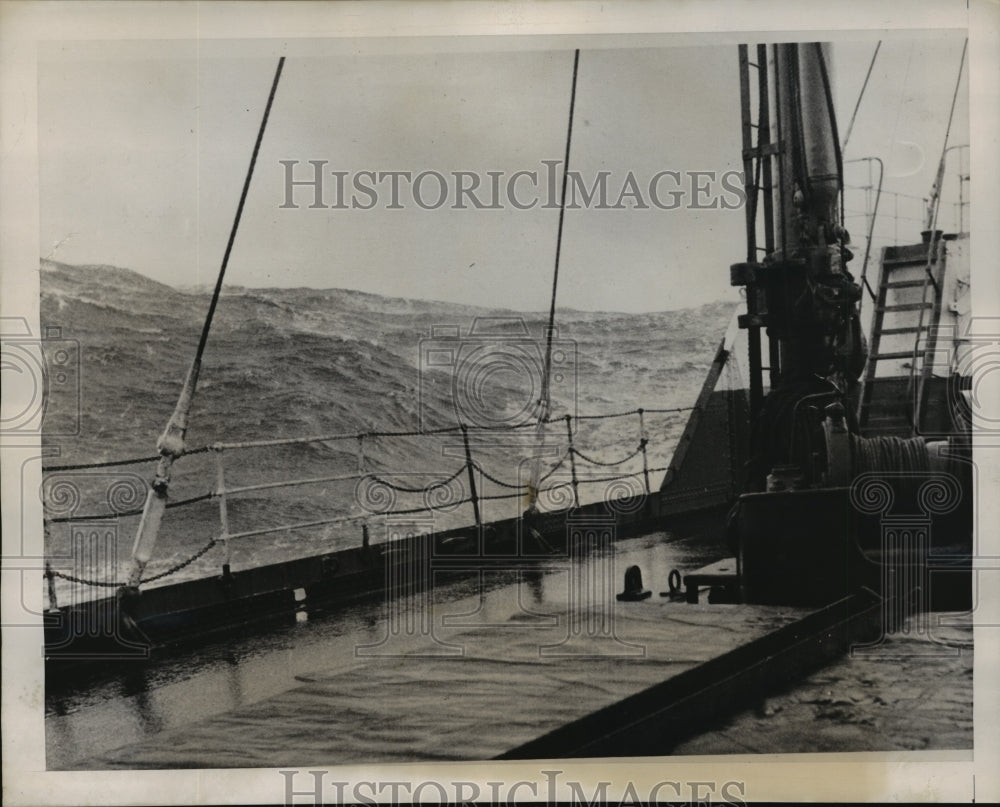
(882, 412)
(904, 284)
(911, 329)
(904, 354)
(879, 409)
(906, 307)
(764, 150)
(898, 263)
(875, 414)
(901, 420)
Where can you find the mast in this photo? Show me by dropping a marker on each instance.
(800, 289)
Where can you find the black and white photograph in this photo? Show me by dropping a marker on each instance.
(396, 410)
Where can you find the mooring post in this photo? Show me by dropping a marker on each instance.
(572, 461)
(472, 476)
(642, 445)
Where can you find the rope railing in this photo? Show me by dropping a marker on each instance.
(339, 436)
(50, 572)
(300, 525)
(605, 479)
(132, 512)
(404, 489)
(378, 476)
(622, 461)
(218, 447)
(315, 480)
(501, 483)
(82, 466)
(340, 521)
(500, 496)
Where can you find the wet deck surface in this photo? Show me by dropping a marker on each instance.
(512, 683)
(508, 660)
(911, 693)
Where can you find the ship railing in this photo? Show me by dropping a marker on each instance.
(436, 495)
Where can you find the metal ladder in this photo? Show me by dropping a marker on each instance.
(917, 317)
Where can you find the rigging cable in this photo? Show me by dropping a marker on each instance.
(546, 391)
(934, 204)
(239, 214)
(171, 442)
(871, 227)
(868, 75)
(933, 246)
(545, 401)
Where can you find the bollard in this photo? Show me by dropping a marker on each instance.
(633, 586)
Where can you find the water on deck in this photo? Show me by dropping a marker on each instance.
(508, 658)
(497, 671)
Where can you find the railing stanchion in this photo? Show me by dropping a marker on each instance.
(572, 461)
(642, 445)
(361, 454)
(50, 579)
(220, 491)
(473, 497)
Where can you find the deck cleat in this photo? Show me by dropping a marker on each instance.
(633, 586)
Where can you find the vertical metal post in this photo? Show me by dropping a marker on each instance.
(764, 139)
(962, 179)
(642, 445)
(361, 455)
(869, 188)
(50, 578)
(746, 127)
(572, 461)
(764, 135)
(220, 491)
(872, 214)
(472, 476)
(749, 152)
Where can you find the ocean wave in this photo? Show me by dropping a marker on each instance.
(291, 362)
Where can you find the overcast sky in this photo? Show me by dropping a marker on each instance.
(144, 146)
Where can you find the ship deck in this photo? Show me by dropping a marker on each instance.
(472, 671)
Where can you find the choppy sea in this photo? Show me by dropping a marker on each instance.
(297, 362)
